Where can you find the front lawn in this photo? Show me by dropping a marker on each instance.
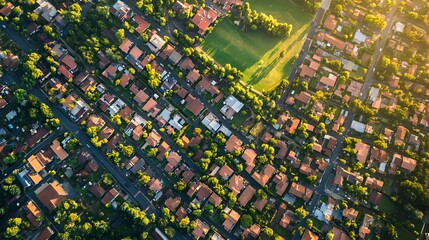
(257, 54)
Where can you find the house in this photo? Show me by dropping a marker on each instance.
(155, 185)
(330, 22)
(329, 81)
(175, 57)
(203, 192)
(173, 161)
(141, 97)
(307, 71)
(225, 172)
(374, 183)
(110, 196)
(36, 136)
(105, 133)
(264, 176)
(51, 194)
(153, 139)
(152, 107)
(45, 234)
(342, 174)
(125, 79)
(59, 150)
(126, 45)
(233, 144)
(400, 135)
(69, 62)
(201, 229)
(246, 195)
(143, 25)
(350, 213)
(46, 10)
(121, 10)
(10, 61)
(249, 156)
(236, 184)
(35, 164)
(7, 9)
(300, 191)
(172, 203)
(231, 107)
(33, 214)
(309, 235)
(304, 98)
(187, 64)
(215, 199)
(339, 234)
(206, 84)
(406, 163)
(281, 182)
(194, 105)
(203, 19)
(362, 151)
(375, 197)
(110, 72)
(193, 76)
(97, 190)
(155, 43)
(253, 231)
(232, 219)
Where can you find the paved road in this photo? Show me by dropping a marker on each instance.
(305, 48)
(369, 80)
(326, 179)
(142, 201)
(25, 46)
(34, 150)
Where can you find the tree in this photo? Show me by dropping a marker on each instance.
(269, 232)
(184, 223)
(301, 213)
(246, 220)
(180, 186)
(120, 35)
(127, 150)
(20, 95)
(46, 111)
(375, 21)
(261, 194)
(143, 178)
(73, 13)
(232, 199)
(116, 119)
(170, 232)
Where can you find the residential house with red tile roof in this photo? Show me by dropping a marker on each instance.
(51, 194)
(300, 191)
(231, 221)
(203, 19)
(265, 175)
(194, 105)
(236, 184)
(110, 196)
(246, 195)
(233, 144)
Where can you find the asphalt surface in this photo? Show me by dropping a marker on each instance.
(326, 179)
(305, 48)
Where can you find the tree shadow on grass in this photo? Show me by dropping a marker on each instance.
(259, 74)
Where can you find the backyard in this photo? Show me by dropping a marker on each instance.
(257, 54)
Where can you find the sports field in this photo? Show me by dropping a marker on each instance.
(257, 54)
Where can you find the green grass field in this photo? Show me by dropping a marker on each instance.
(257, 54)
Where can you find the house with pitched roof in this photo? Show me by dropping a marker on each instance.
(51, 194)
